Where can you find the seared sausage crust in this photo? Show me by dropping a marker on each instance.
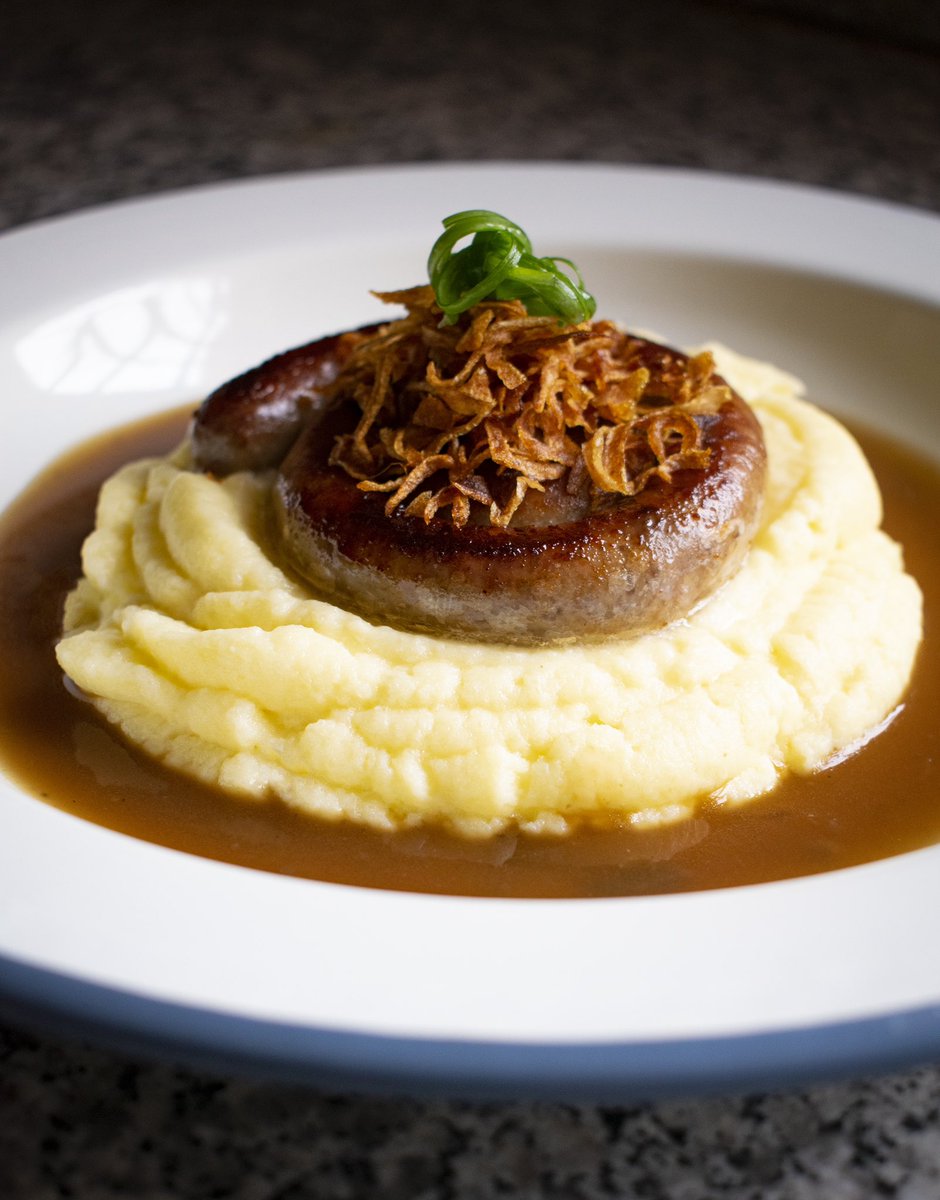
(249, 423)
(624, 566)
(581, 567)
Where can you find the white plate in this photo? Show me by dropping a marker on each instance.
(132, 308)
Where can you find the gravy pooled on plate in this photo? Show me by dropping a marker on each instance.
(880, 801)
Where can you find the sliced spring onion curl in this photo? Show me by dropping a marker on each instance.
(498, 264)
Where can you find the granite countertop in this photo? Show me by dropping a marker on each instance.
(103, 101)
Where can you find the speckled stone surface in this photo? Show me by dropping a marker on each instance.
(103, 101)
(78, 1122)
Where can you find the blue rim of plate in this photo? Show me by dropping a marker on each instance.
(327, 1059)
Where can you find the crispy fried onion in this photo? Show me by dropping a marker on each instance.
(483, 410)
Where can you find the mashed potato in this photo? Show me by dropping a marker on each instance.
(188, 635)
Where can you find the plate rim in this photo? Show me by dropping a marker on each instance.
(471, 1069)
(622, 1067)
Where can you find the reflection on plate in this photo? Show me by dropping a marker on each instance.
(144, 306)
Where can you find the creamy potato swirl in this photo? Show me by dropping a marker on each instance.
(186, 633)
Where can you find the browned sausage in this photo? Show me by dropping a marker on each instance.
(586, 566)
(249, 423)
(565, 568)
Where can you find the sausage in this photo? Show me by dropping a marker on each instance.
(586, 566)
(609, 567)
(250, 422)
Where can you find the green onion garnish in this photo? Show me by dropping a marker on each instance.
(498, 264)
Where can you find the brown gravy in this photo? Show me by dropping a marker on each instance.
(883, 801)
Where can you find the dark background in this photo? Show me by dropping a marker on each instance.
(103, 100)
